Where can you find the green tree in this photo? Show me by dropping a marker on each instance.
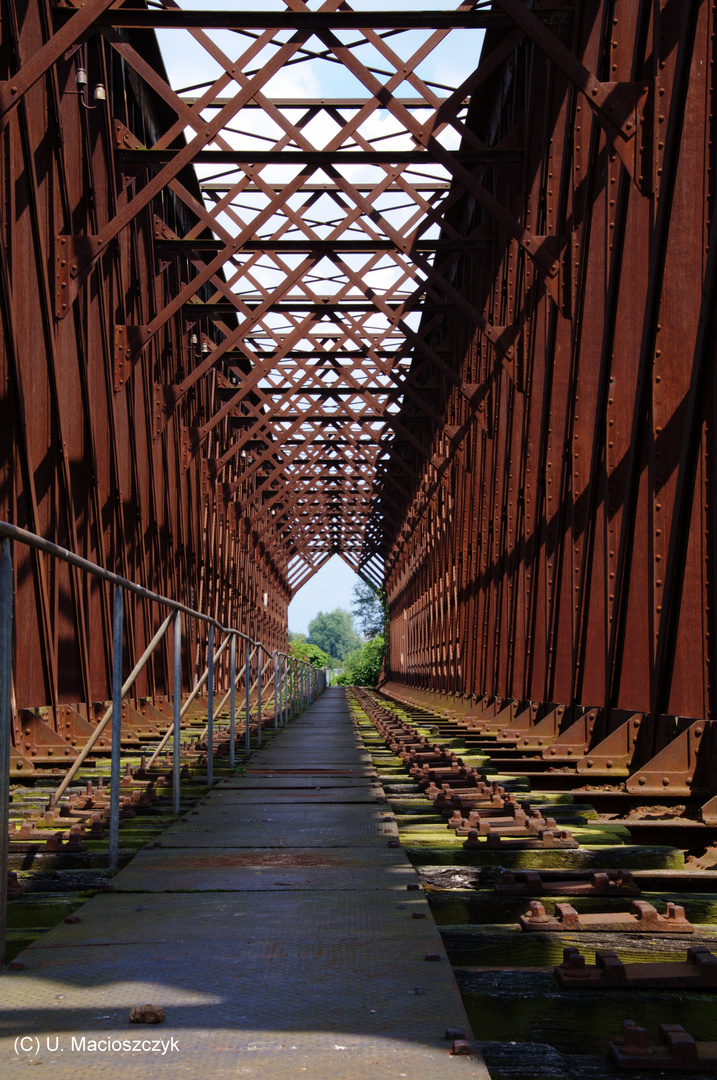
(363, 667)
(368, 608)
(310, 654)
(333, 631)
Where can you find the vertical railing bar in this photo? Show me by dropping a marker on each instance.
(5, 728)
(276, 690)
(177, 692)
(97, 731)
(280, 660)
(210, 706)
(285, 704)
(258, 695)
(247, 702)
(222, 703)
(117, 635)
(232, 699)
(283, 682)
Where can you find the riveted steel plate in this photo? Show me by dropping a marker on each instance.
(273, 783)
(264, 797)
(289, 826)
(296, 769)
(307, 760)
(273, 961)
(318, 737)
(247, 975)
(249, 924)
(275, 869)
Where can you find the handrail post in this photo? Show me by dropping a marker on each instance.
(284, 687)
(232, 698)
(177, 689)
(258, 694)
(117, 634)
(276, 690)
(210, 706)
(197, 687)
(287, 688)
(5, 727)
(290, 688)
(99, 728)
(298, 687)
(247, 703)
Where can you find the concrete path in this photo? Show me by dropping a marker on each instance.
(273, 924)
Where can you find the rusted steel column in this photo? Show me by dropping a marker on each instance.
(5, 727)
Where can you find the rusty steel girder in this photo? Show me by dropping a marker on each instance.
(479, 371)
(563, 548)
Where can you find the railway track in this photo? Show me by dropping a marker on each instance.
(581, 921)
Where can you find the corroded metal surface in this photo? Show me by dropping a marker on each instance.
(480, 370)
(254, 983)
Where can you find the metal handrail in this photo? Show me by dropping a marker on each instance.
(298, 685)
(12, 532)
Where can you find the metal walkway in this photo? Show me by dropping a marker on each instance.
(274, 925)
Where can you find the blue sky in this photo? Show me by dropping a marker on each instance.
(331, 587)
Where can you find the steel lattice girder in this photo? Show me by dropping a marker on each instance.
(286, 222)
(493, 333)
(567, 555)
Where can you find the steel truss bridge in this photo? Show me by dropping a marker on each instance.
(455, 326)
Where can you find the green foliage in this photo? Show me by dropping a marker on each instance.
(363, 667)
(310, 654)
(334, 632)
(368, 608)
